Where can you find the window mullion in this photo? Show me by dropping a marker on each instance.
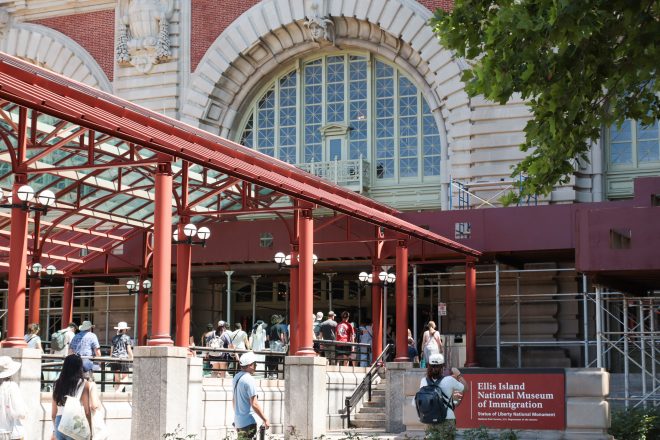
(397, 133)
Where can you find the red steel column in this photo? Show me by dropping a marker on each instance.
(67, 302)
(471, 314)
(35, 299)
(183, 261)
(294, 305)
(376, 314)
(306, 286)
(17, 265)
(35, 283)
(160, 312)
(401, 302)
(143, 315)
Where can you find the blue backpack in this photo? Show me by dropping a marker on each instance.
(431, 403)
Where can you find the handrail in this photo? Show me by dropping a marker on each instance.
(364, 386)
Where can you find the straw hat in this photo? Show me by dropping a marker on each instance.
(8, 366)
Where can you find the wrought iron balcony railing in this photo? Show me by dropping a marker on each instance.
(351, 174)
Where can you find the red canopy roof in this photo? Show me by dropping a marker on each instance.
(124, 139)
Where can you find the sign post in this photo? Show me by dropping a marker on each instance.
(513, 399)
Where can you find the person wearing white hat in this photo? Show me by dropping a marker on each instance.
(122, 348)
(453, 385)
(244, 398)
(13, 406)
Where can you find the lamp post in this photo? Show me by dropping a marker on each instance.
(285, 261)
(25, 194)
(189, 232)
(386, 279)
(37, 268)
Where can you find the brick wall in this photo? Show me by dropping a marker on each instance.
(209, 19)
(94, 31)
(435, 4)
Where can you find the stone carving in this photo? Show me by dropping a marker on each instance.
(320, 27)
(144, 33)
(5, 22)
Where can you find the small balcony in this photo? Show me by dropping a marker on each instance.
(351, 174)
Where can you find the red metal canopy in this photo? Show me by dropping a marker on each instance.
(98, 153)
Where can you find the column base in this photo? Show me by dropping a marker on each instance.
(306, 351)
(160, 341)
(13, 343)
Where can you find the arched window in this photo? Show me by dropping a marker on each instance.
(344, 107)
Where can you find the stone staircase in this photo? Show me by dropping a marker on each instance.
(372, 414)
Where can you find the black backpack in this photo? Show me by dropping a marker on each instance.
(431, 403)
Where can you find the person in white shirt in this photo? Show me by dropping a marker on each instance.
(240, 338)
(452, 386)
(14, 410)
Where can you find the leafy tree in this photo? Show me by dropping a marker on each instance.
(580, 65)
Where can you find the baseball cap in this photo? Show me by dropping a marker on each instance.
(331, 313)
(436, 359)
(222, 323)
(319, 315)
(247, 358)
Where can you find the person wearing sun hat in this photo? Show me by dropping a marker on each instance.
(14, 410)
(85, 344)
(122, 348)
(244, 399)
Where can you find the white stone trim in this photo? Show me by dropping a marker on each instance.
(55, 51)
(236, 66)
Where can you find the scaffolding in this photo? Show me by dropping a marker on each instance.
(617, 332)
(466, 191)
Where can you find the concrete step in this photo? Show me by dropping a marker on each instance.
(376, 401)
(377, 392)
(372, 409)
(373, 416)
(374, 424)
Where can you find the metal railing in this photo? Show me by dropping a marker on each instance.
(357, 354)
(353, 174)
(223, 362)
(104, 373)
(365, 385)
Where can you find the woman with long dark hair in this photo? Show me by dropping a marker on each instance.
(71, 383)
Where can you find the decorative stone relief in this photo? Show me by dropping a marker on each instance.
(320, 26)
(144, 33)
(5, 22)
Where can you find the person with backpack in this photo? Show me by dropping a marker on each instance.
(61, 339)
(435, 401)
(122, 348)
(219, 360)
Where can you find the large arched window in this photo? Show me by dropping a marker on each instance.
(344, 107)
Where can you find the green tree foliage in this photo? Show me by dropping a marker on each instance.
(581, 66)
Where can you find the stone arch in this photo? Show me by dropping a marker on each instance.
(55, 51)
(265, 37)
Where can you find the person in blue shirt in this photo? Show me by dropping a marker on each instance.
(85, 344)
(245, 398)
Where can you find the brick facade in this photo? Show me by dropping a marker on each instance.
(432, 5)
(94, 31)
(209, 19)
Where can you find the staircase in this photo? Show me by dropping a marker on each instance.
(372, 414)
